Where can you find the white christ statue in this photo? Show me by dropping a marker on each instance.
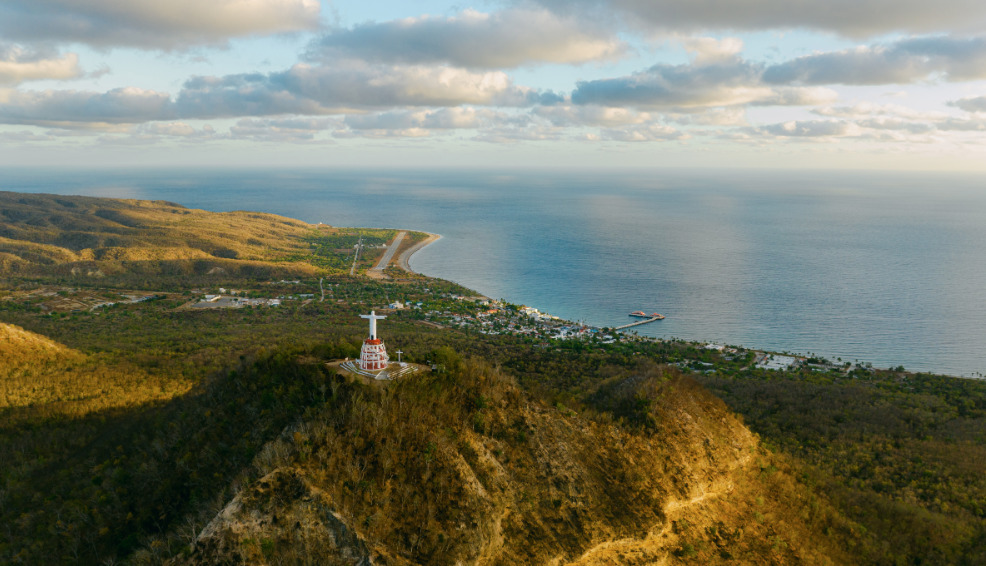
(373, 317)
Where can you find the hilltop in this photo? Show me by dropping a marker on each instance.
(463, 467)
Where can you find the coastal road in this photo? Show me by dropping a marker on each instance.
(389, 254)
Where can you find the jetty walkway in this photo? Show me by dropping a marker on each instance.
(638, 323)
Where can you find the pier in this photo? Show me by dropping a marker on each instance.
(639, 322)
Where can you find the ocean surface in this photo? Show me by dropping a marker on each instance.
(887, 268)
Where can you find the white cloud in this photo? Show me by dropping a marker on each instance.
(974, 123)
(296, 129)
(855, 18)
(868, 110)
(170, 24)
(175, 130)
(592, 115)
(706, 49)
(347, 86)
(442, 119)
(517, 134)
(643, 133)
(728, 116)
(973, 104)
(905, 61)
(383, 134)
(72, 109)
(18, 64)
(812, 129)
(24, 136)
(473, 39)
(699, 85)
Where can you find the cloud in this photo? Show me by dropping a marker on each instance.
(473, 40)
(853, 18)
(720, 82)
(668, 86)
(347, 86)
(592, 115)
(73, 109)
(728, 116)
(902, 62)
(175, 130)
(811, 129)
(868, 110)
(973, 123)
(880, 126)
(296, 129)
(24, 136)
(896, 118)
(442, 119)
(516, 134)
(644, 133)
(154, 24)
(974, 104)
(18, 65)
(706, 49)
(382, 134)
(719, 78)
(895, 124)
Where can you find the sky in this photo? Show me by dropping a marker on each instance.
(848, 84)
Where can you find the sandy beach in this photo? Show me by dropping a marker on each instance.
(404, 258)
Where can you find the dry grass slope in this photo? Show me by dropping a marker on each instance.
(41, 379)
(39, 233)
(19, 348)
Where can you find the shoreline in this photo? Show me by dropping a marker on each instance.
(405, 257)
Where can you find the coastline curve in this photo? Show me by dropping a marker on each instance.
(405, 257)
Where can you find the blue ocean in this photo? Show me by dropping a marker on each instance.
(886, 268)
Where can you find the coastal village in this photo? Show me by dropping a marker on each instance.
(415, 300)
(423, 305)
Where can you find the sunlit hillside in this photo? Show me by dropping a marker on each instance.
(44, 235)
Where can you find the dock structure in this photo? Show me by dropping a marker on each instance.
(638, 323)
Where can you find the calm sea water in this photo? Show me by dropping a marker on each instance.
(880, 267)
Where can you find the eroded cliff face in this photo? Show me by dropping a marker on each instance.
(464, 468)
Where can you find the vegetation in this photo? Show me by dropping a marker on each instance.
(145, 431)
(902, 454)
(147, 244)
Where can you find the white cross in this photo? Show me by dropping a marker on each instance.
(373, 317)
(399, 356)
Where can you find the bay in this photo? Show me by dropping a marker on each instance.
(883, 267)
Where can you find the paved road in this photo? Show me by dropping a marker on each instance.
(389, 254)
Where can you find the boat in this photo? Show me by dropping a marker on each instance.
(642, 314)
